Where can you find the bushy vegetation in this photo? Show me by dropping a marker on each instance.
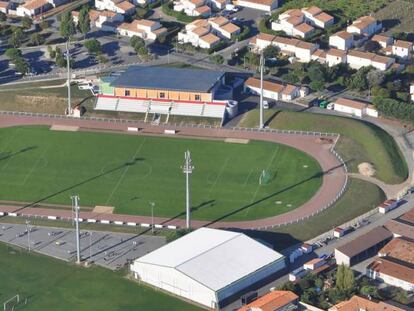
(167, 8)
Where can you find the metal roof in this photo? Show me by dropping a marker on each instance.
(167, 78)
(214, 258)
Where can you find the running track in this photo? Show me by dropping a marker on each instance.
(333, 180)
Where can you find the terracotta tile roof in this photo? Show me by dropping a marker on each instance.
(230, 28)
(304, 28)
(324, 17)
(293, 12)
(403, 44)
(93, 15)
(393, 269)
(199, 23)
(200, 31)
(106, 13)
(289, 89)
(197, 2)
(210, 38)
(360, 54)
(313, 10)
(381, 59)
(319, 53)
(35, 4)
(344, 35)
(376, 235)
(130, 27)
(267, 85)
(160, 31)
(294, 20)
(4, 4)
(358, 303)
(363, 22)
(219, 20)
(272, 301)
(125, 5)
(305, 45)
(74, 13)
(145, 22)
(336, 52)
(409, 216)
(288, 41)
(265, 37)
(380, 38)
(400, 228)
(203, 9)
(399, 248)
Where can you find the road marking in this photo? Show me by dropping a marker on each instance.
(123, 173)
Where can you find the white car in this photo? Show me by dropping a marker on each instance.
(265, 104)
(85, 86)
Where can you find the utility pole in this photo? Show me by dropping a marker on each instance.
(187, 170)
(28, 234)
(261, 124)
(75, 207)
(68, 73)
(152, 204)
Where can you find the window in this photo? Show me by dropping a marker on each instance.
(162, 95)
(197, 97)
(127, 93)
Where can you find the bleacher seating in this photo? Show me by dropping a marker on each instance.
(159, 107)
(214, 111)
(186, 109)
(129, 105)
(105, 103)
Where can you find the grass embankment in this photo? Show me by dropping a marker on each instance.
(360, 141)
(49, 284)
(128, 172)
(397, 15)
(31, 97)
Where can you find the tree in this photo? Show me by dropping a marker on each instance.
(372, 46)
(67, 26)
(316, 72)
(44, 24)
(84, 22)
(375, 77)
(13, 53)
(345, 279)
(217, 59)
(93, 46)
(136, 43)
(27, 22)
(143, 51)
(16, 37)
(270, 51)
(60, 60)
(37, 39)
(369, 291)
(3, 17)
(358, 81)
(21, 65)
(317, 85)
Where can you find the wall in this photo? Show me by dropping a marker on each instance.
(349, 110)
(341, 258)
(171, 95)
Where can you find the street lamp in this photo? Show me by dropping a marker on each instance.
(28, 233)
(152, 204)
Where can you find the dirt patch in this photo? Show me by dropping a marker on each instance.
(103, 209)
(366, 169)
(236, 141)
(66, 128)
(324, 140)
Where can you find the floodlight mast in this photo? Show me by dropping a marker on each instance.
(75, 207)
(68, 77)
(187, 170)
(261, 123)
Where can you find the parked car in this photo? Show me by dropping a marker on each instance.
(266, 104)
(85, 86)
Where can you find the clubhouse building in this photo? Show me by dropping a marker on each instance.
(158, 91)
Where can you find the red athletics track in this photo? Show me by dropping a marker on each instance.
(334, 177)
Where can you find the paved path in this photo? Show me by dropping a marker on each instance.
(333, 179)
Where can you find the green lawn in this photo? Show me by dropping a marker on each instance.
(128, 172)
(360, 141)
(50, 284)
(360, 197)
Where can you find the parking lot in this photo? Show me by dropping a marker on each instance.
(107, 249)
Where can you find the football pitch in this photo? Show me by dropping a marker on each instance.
(44, 283)
(129, 171)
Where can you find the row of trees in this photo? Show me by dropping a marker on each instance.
(15, 56)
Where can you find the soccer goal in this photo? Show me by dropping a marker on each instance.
(10, 303)
(266, 177)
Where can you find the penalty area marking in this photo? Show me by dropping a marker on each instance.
(237, 141)
(64, 128)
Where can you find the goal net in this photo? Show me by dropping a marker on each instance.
(266, 177)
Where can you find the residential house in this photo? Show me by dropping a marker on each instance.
(143, 28)
(219, 4)
(342, 40)
(335, 57)
(358, 59)
(383, 40)
(355, 107)
(34, 7)
(319, 56)
(4, 7)
(105, 20)
(272, 90)
(262, 5)
(197, 31)
(299, 23)
(357, 303)
(304, 51)
(402, 49)
(117, 6)
(274, 300)
(365, 26)
(262, 41)
(193, 7)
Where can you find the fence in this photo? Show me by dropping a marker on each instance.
(218, 128)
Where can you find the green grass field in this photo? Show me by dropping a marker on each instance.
(50, 284)
(128, 172)
(360, 141)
